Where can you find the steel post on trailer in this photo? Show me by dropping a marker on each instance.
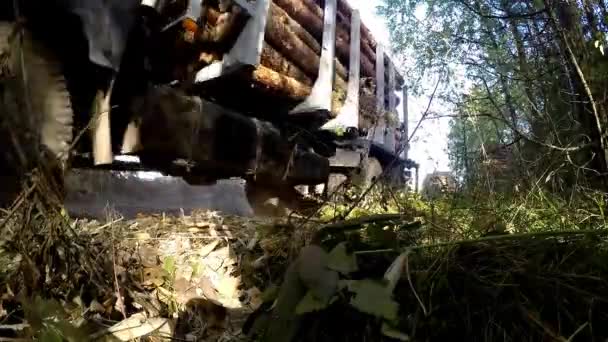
(247, 49)
(389, 138)
(406, 133)
(349, 114)
(377, 133)
(320, 96)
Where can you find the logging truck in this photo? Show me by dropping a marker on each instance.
(282, 93)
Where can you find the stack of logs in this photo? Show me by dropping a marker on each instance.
(292, 48)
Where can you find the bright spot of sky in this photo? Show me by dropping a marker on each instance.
(429, 145)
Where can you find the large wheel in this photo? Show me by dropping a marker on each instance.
(37, 114)
(277, 200)
(372, 170)
(335, 183)
(263, 200)
(367, 174)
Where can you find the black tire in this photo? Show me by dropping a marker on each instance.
(37, 115)
(335, 183)
(276, 201)
(263, 201)
(367, 174)
(372, 170)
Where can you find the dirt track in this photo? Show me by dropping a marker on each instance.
(90, 193)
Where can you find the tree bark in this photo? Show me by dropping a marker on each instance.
(273, 59)
(567, 18)
(302, 11)
(303, 35)
(280, 84)
(285, 86)
(293, 48)
(284, 35)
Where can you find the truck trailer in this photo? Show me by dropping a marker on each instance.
(283, 93)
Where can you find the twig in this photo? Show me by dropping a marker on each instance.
(409, 280)
(496, 238)
(401, 149)
(18, 203)
(540, 324)
(358, 222)
(119, 300)
(581, 328)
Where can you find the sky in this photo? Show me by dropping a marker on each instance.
(429, 145)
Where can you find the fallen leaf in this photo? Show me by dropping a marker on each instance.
(142, 236)
(208, 248)
(154, 276)
(394, 271)
(340, 260)
(169, 264)
(373, 298)
(255, 297)
(133, 327)
(389, 331)
(95, 306)
(310, 303)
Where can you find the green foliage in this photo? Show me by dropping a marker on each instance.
(373, 298)
(50, 322)
(310, 303)
(516, 74)
(341, 260)
(471, 213)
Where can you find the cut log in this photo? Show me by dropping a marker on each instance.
(294, 49)
(304, 35)
(285, 35)
(220, 27)
(343, 37)
(285, 86)
(290, 46)
(368, 43)
(280, 84)
(273, 59)
(310, 16)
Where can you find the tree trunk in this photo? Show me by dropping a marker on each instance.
(568, 17)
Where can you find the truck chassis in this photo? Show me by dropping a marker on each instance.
(112, 57)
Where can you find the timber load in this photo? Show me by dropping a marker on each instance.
(297, 52)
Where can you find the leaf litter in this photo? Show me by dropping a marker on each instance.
(198, 277)
(152, 278)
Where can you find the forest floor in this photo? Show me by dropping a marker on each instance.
(388, 274)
